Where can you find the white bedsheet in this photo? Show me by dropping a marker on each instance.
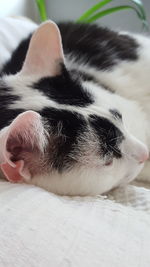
(40, 229)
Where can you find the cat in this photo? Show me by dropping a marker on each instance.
(75, 109)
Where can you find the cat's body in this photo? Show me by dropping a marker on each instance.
(93, 133)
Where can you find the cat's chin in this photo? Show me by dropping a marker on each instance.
(129, 177)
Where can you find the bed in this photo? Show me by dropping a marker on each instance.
(38, 228)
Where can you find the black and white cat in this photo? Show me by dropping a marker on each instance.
(74, 111)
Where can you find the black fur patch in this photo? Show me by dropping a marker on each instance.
(6, 98)
(14, 64)
(97, 46)
(65, 127)
(108, 134)
(64, 89)
(8, 115)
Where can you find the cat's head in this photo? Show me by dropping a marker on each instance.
(64, 138)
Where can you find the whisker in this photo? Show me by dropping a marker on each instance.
(113, 148)
(116, 138)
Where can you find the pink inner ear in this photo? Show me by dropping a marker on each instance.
(45, 52)
(23, 133)
(13, 173)
(17, 173)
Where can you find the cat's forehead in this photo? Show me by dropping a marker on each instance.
(67, 121)
(65, 89)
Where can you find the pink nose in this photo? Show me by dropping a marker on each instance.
(143, 156)
(140, 151)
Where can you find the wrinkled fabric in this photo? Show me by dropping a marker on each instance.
(38, 228)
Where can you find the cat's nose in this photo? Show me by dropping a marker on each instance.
(143, 157)
(143, 154)
(140, 151)
(137, 150)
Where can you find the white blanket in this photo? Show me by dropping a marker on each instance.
(39, 229)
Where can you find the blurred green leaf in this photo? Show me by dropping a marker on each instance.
(42, 9)
(92, 14)
(140, 6)
(109, 11)
(93, 9)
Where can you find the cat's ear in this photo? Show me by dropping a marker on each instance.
(45, 52)
(22, 143)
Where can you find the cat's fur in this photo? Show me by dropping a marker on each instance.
(75, 120)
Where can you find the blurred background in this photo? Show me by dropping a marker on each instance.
(59, 10)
